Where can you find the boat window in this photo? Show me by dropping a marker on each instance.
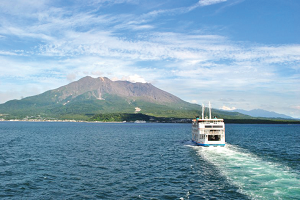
(218, 126)
(213, 126)
(214, 138)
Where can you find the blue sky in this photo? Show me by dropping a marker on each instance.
(235, 53)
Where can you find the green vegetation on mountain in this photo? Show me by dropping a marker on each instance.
(120, 117)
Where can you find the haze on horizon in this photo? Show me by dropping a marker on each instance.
(241, 54)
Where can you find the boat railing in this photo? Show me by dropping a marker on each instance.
(213, 132)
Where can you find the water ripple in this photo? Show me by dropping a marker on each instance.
(134, 161)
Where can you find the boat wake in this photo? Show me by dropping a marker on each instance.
(256, 178)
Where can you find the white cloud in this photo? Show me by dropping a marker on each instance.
(180, 10)
(210, 2)
(134, 79)
(19, 6)
(12, 68)
(7, 53)
(296, 107)
(71, 77)
(194, 101)
(55, 28)
(194, 55)
(227, 108)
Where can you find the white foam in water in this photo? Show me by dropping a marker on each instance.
(254, 177)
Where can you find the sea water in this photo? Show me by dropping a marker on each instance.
(55, 160)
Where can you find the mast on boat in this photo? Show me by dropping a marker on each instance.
(209, 110)
(203, 108)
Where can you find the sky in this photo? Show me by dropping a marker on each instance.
(237, 54)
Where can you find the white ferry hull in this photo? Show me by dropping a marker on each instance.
(208, 132)
(209, 145)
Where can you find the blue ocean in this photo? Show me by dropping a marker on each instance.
(59, 160)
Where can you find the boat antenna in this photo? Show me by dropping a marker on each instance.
(209, 110)
(203, 111)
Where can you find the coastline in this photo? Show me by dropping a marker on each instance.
(187, 121)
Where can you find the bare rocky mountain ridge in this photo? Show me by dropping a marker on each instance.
(97, 87)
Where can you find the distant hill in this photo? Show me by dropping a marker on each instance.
(262, 113)
(89, 96)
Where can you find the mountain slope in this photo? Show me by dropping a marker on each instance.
(89, 96)
(98, 87)
(262, 113)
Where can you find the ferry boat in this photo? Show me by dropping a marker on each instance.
(207, 131)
